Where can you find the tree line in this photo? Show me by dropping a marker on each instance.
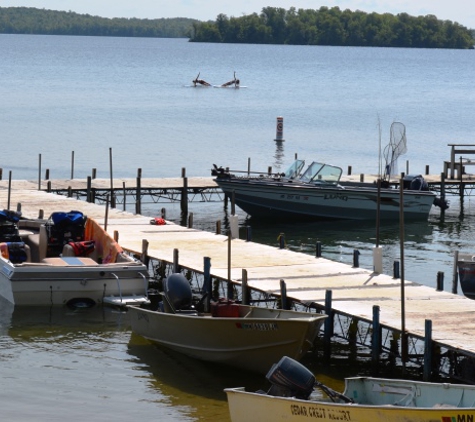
(29, 20)
(332, 26)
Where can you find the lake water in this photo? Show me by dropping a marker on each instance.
(89, 94)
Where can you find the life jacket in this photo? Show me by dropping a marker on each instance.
(83, 248)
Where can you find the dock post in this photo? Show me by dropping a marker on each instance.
(427, 350)
(41, 214)
(396, 269)
(190, 220)
(163, 213)
(328, 325)
(248, 233)
(9, 189)
(349, 170)
(376, 338)
(106, 218)
(362, 177)
(47, 174)
(318, 249)
(245, 289)
(283, 295)
(70, 192)
(442, 191)
(144, 256)
(111, 179)
(184, 196)
(138, 197)
(455, 274)
(207, 284)
(48, 186)
(88, 189)
(94, 173)
(176, 266)
(116, 236)
(1, 173)
(218, 227)
(124, 194)
(356, 258)
(440, 281)
(427, 170)
(72, 165)
(39, 171)
(281, 240)
(18, 207)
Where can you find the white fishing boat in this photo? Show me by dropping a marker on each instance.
(68, 259)
(247, 337)
(318, 192)
(292, 398)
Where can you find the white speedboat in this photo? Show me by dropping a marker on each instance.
(291, 398)
(318, 193)
(68, 259)
(247, 337)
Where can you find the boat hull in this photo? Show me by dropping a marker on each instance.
(43, 284)
(252, 342)
(253, 407)
(281, 200)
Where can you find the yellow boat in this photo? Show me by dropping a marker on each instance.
(291, 398)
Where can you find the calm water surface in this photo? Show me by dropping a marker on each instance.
(88, 94)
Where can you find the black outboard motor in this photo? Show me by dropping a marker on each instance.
(177, 294)
(290, 378)
(415, 182)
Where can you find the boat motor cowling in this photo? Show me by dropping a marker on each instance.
(290, 378)
(177, 291)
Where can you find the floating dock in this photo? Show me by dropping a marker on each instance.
(355, 292)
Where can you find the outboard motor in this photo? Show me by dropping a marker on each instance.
(290, 378)
(178, 294)
(415, 182)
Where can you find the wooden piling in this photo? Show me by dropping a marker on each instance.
(138, 197)
(245, 288)
(328, 326)
(144, 256)
(207, 287)
(283, 295)
(88, 189)
(176, 266)
(72, 165)
(427, 350)
(376, 337)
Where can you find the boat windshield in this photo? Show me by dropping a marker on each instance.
(322, 173)
(294, 170)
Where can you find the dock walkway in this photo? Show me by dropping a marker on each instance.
(355, 291)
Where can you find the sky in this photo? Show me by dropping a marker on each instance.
(461, 11)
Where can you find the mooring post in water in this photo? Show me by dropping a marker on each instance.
(455, 276)
(176, 266)
(279, 130)
(47, 174)
(427, 351)
(283, 295)
(111, 179)
(39, 172)
(207, 284)
(190, 220)
(328, 324)
(376, 337)
(218, 227)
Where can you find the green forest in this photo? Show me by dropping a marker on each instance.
(274, 25)
(29, 20)
(332, 26)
